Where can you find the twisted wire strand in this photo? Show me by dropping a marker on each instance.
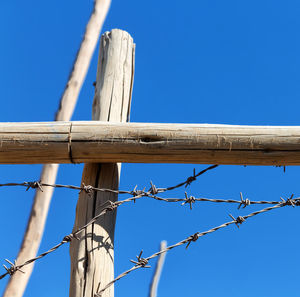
(88, 188)
(112, 205)
(136, 194)
(239, 220)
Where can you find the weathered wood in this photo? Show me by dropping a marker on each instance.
(158, 270)
(36, 222)
(148, 143)
(92, 257)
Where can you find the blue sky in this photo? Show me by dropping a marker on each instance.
(227, 62)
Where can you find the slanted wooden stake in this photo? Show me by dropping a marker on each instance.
(92, 256)
(37, 219)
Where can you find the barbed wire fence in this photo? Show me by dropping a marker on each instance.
(151, 193)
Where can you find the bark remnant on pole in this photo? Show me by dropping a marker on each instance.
(92, 256)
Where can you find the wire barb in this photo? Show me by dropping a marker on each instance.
(189, 199)
(190, 179)
(290, 201)
(87, 188)
(153, 190)
(69, 238)
(13, 267)
(136, 192)
(194, 238)
(141, 261)
(112, 206)
(34, 185)
(238, 221)
(245, 202)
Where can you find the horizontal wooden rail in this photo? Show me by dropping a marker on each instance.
(67, 142)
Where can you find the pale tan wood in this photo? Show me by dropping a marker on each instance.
(158, 270)
(83, 59)
(92, 257)
(148, 143)
(36, 222)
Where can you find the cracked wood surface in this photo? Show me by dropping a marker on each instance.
(38, 215)
(92, 257)
(148, 143)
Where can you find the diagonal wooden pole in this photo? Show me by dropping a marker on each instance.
(37, 219)
(92, 256)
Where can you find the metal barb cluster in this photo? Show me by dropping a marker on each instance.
(153, 190)
(190, 179)
(13, 267)
(151, 193)
(88, 189)
(190, 200)
(194, 238)
(244, 202)
(70, 237)
(34, 185)
(238, 221)
(141, 261)
(136, 194)
(290, 201)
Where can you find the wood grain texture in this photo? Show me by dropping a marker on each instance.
(92, 257)
(36, 222)
(148, 143)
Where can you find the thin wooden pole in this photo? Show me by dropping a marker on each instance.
(158, 270)
(92, 256)
(36, 222)
(91, 142)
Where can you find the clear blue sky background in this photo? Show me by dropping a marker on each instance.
(229, 62)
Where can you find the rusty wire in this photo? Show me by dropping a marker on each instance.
(87, 188)
(151, 193)
(138, 194)
(112, 205)
(143, 262)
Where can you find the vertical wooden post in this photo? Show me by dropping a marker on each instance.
(36, 222)
(92, 256)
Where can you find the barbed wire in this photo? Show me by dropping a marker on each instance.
(88, 188)
(151, 193)
(110, 207)
(143, 262)
(136, 194)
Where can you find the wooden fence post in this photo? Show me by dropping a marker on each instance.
(92, 256)
(39, 211)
